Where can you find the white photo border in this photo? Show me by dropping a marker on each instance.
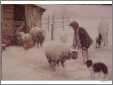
(56, 82)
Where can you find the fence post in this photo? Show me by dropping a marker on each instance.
(52, 32)
(52, 27)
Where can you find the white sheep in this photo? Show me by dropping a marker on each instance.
(27, 36)
(20, 37)
(58, 53)
(38, 35)
(25, 39)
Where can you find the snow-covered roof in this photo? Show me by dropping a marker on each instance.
(42, 8)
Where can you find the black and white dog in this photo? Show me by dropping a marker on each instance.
(97, 67)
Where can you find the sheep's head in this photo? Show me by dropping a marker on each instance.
(70, 55)
(73, 54)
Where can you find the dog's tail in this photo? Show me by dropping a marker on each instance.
(105, 70)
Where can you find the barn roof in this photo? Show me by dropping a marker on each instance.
(43, 9)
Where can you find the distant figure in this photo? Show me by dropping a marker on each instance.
(81, 39)
(99, 41)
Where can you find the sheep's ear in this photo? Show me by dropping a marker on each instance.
(85, 62)
(90, 60)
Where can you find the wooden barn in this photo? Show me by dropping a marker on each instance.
(13, 17)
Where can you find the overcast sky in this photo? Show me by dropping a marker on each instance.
(80, 10)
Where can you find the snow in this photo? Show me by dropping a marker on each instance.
(31, 64)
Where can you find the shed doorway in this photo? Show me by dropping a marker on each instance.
(19, 18)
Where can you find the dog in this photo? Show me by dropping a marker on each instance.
(97, 67)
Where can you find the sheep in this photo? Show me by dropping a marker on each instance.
(37, 35)
(40, 38)
(58, 53)
(3, 46)
(20, 37)
(25, 39)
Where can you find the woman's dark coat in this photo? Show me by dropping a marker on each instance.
(84, 38)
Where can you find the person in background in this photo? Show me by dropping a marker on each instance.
(81, 39)
(99, 41)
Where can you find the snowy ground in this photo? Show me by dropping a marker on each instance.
(21, 64)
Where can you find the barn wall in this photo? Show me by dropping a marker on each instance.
(8, 21)
(19, 16)
(9, 25)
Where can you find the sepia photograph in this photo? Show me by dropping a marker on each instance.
(56, 41)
